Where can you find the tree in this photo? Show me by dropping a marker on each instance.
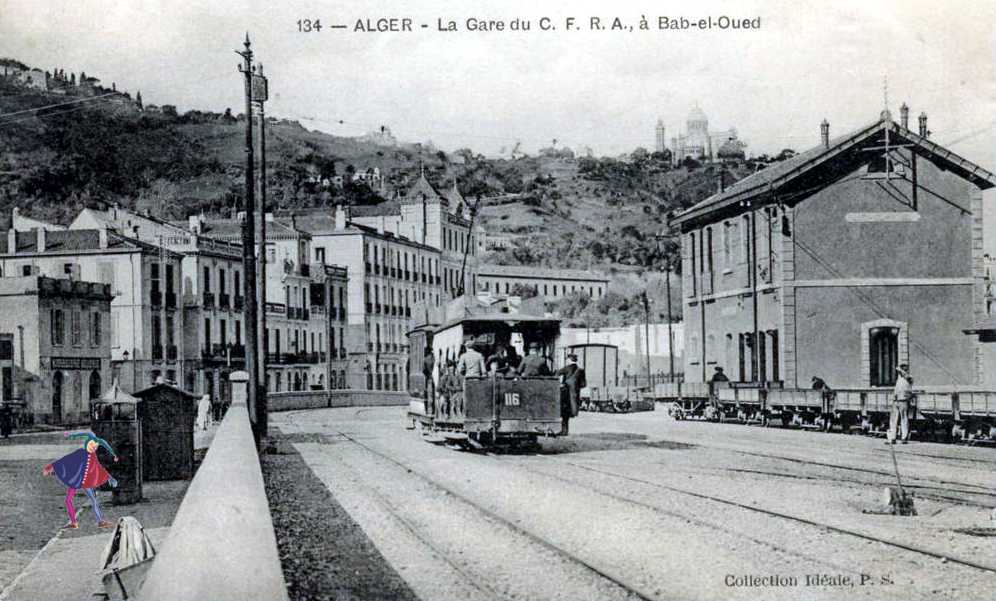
(524, 290)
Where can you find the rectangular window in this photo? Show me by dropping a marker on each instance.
(95, 328)
(207, 335)
(169, 278)
(25, 270)
(223, 331)
(58, 327)
(77, 328)
(694, 261)
(207, 279)
(154, 277)
(222, 282)
(237, 290)
(170, 340)
(157, 334)
(727, 240)
(238, 333)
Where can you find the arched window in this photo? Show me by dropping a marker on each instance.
(297, 381)
(57, 384)
(95, 385)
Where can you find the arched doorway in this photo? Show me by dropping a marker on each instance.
(57, 384)
(95, 385)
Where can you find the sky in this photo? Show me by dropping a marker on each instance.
(488, 90)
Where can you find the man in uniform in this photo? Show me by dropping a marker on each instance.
(572, 380)
(534, 364)
(450, 391)
(902, 394)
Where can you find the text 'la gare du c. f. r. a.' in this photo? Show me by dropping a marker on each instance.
(593, 23)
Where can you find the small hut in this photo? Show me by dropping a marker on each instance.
(168, 415)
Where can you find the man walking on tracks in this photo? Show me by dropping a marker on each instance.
(901, 397)
(572, 380)
(534, 364)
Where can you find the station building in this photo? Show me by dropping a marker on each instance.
(843, 262)
(551, 284)
(55, 351)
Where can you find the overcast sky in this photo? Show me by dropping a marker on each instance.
(487, 90)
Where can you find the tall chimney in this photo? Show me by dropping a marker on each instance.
(825, 133)
(14, 214)
(102, 237)
(904, 116)
(340, 217)
(924, 132)
(12, 241)
(40, 233)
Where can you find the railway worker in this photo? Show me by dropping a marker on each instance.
(471, 363)
(572, 380)
(819, 384)
(428, 365)
(717, 376)
(534, 364)
(902, 394)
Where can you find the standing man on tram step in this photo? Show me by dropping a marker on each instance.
(572, 380)
(902, 395)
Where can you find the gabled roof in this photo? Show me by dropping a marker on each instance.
(231, 229)
(420, 187)
(387, 208)
(777, 175)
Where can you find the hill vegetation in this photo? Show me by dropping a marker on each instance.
(94, 146)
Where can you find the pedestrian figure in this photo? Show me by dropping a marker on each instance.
(902, 394)
(572, 380)
(428, 366)
(819, 384)
(6, 419)
(204, 412)
(534, 364)
(82, 469)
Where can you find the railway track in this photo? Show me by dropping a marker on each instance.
(604, 573)
(948, 558)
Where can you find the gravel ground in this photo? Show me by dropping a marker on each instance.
(628, 495)
(325, 555)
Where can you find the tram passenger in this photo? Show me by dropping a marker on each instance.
(718, 376)
(572, 380)
(471, 363)
(450, 390)
(534, 364)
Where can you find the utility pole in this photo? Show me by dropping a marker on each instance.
(466, 249)
(260, 94)
(257, 405)
(755, 358)
(670, 333)
(646, 331)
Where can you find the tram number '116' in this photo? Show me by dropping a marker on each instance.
(512, 399)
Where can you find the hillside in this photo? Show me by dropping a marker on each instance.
(95, 145)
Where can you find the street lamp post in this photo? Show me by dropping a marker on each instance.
(670, 332)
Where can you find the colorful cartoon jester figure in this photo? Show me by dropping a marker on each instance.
(82, 469)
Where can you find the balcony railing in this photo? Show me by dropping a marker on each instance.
(157, 352)
(240, 303)
(224, 300)
(305, 314)
(171, 352)
(274, 307)
(208, 300)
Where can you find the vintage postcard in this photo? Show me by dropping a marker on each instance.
(533, 301)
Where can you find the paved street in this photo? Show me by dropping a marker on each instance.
(639, 506)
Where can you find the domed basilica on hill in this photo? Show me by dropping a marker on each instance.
(698, 142)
